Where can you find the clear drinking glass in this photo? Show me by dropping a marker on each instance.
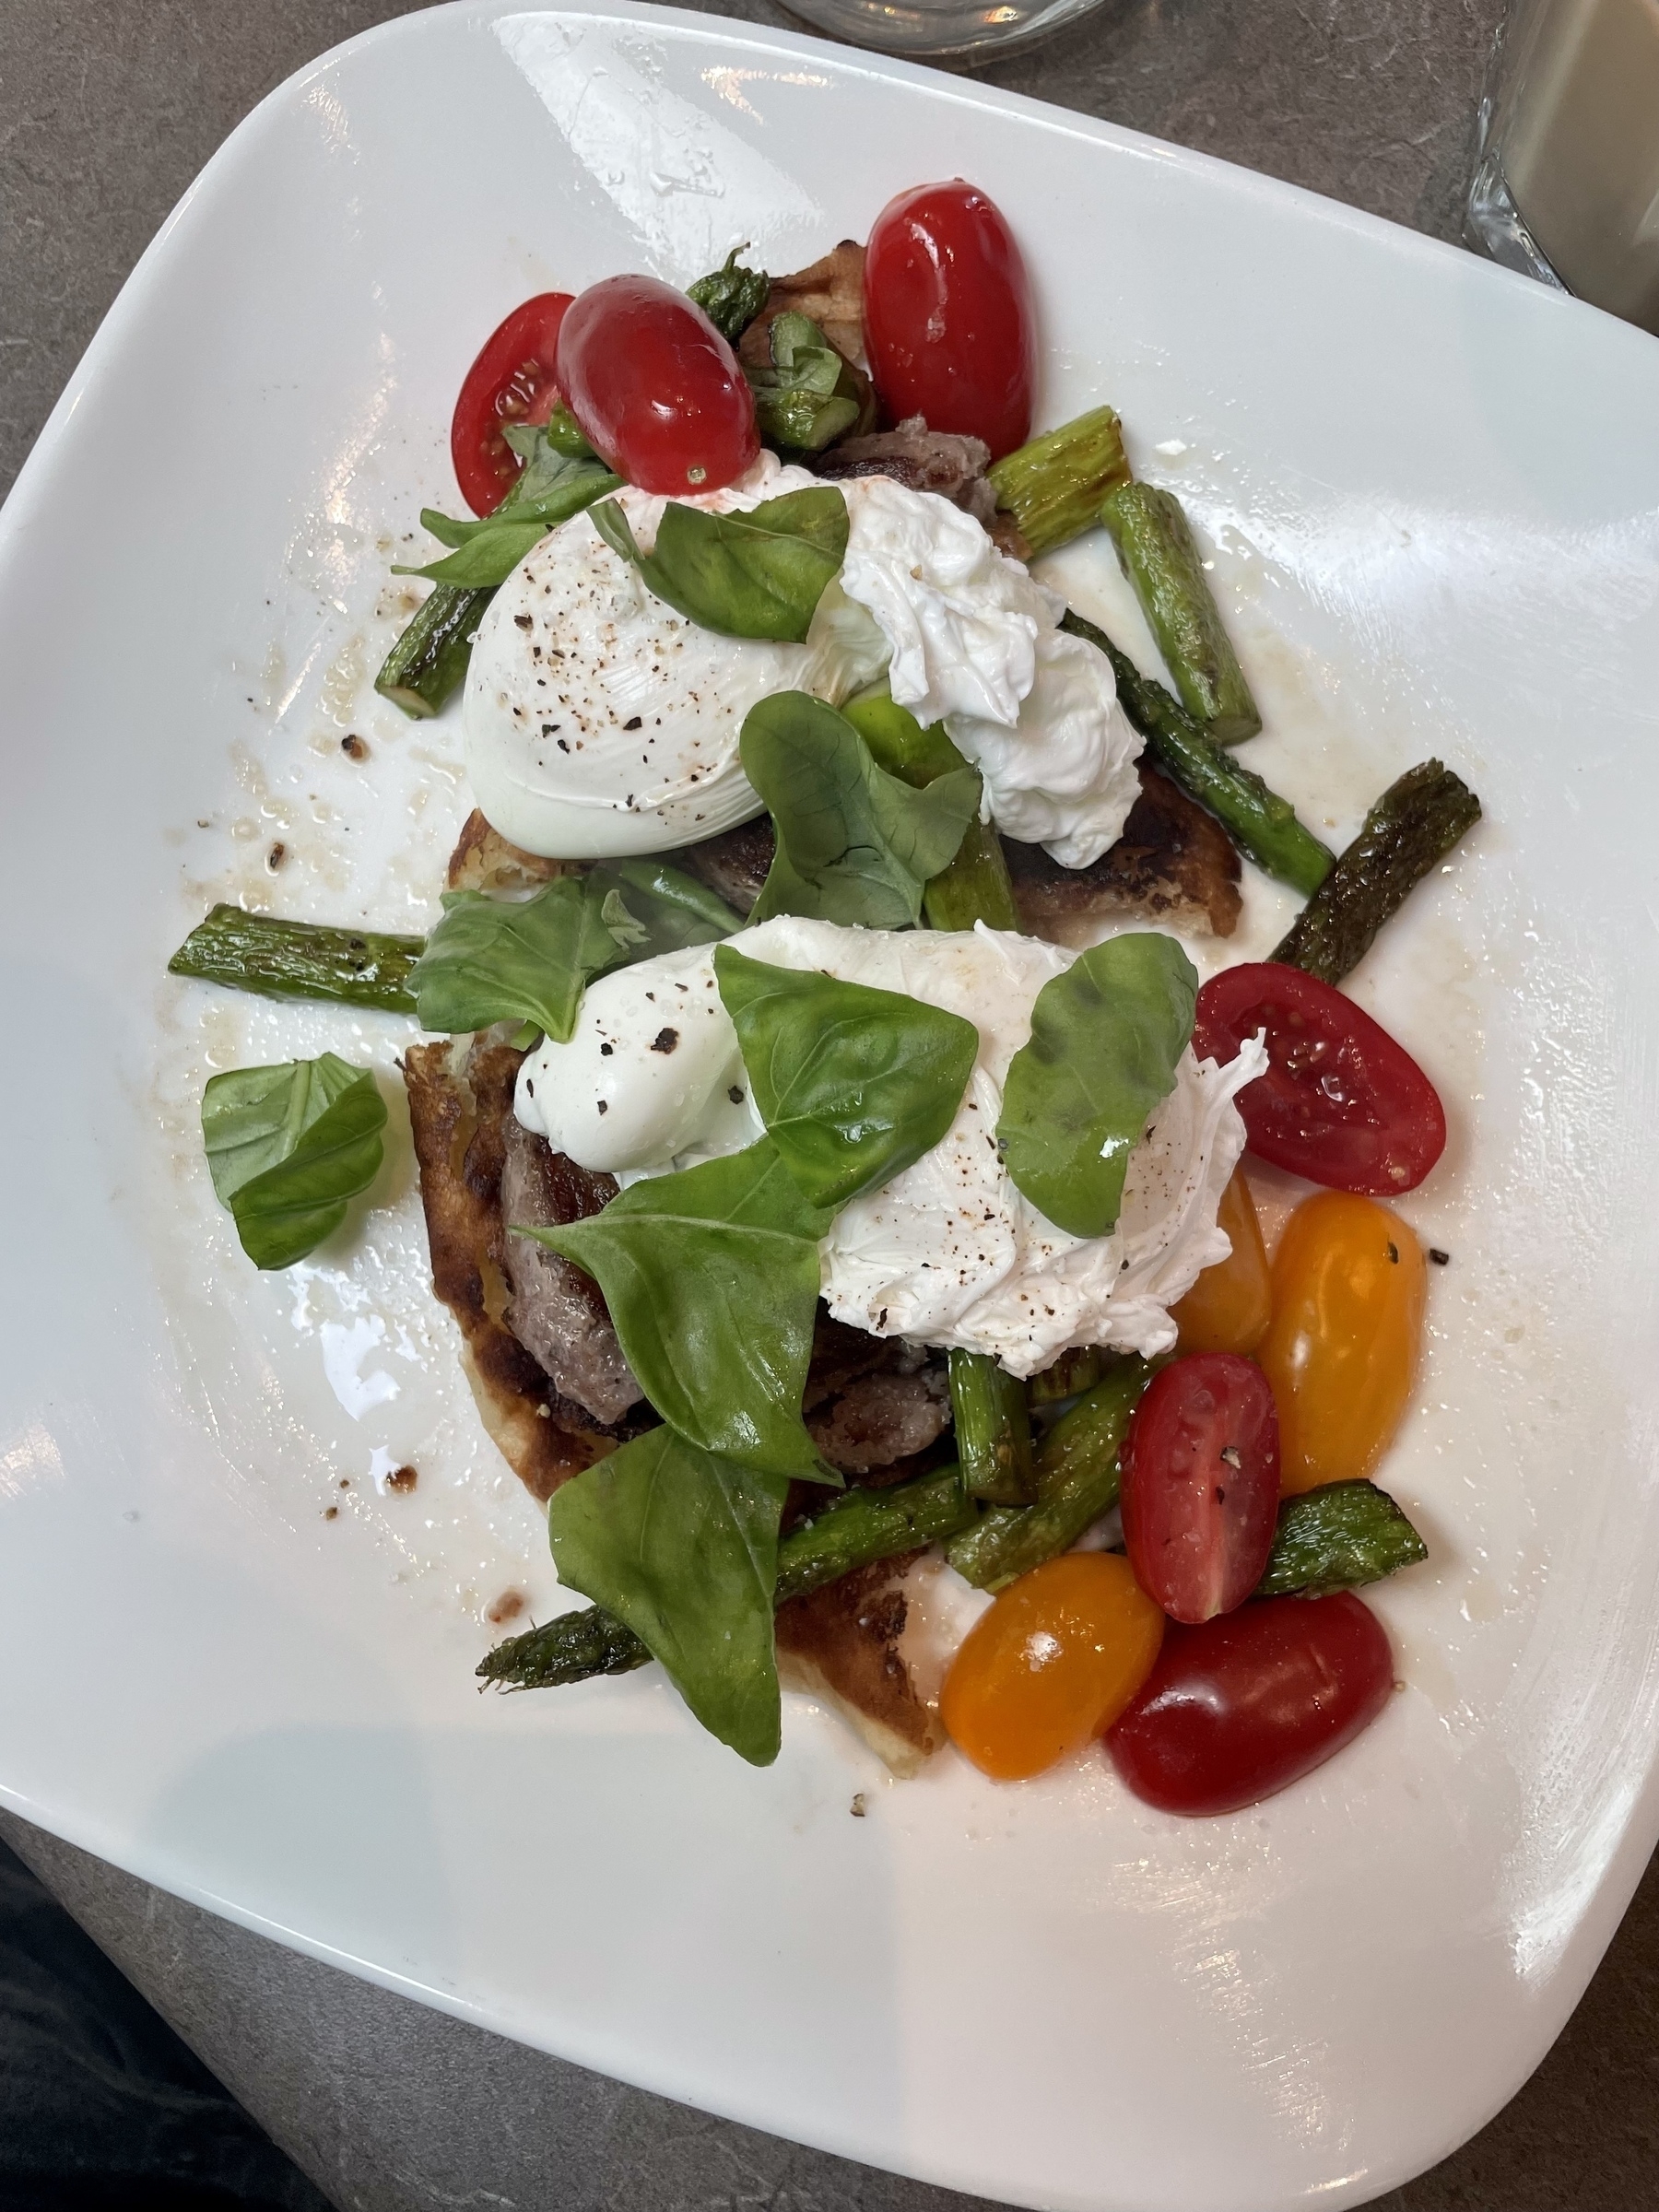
(940, 26)
(1567, 182)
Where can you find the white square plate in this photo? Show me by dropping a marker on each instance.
(1432, 489)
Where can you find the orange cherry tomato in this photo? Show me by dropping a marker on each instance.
(1342, 1350)
(1227, 1308)
(1052, 1662)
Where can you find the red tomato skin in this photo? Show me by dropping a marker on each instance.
(1241, 1708)
(948, 323)
(655, 387)
(1341, 1103)
(1198, 1528)
(512, 381)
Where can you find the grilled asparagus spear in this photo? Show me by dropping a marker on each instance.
(1335, 1536)
(1077, 1482)
(1260, 823)
(1053, 487)
(1154, 545)
(857, 1528)
(1410, 830)
(993, 1431)
(299, 960)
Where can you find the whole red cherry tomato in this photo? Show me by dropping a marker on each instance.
(1249, 1703)
(655, 387)
(1253, 1701)
(512, 381)
(1341, 1103)
(1201, 1485)
(947, 318)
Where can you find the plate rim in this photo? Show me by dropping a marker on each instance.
(26, 499)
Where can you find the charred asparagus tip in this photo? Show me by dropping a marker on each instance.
(1409, 831)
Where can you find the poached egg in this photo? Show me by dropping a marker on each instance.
(949, 1253)
(598, 722)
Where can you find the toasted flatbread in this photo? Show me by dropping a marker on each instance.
(484, 861)
(1173, 863)
(841, 1643)
(459, 1093)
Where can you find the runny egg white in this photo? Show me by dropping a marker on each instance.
(597, 720)
(949, 1253)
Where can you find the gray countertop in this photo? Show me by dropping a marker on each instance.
(107, 109)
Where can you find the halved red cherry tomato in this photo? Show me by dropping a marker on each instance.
(1249, 1703)
(512, 381)
(948, 319)
(655, 387)
(1201, 1485)
(1053, 1662)
(1341, 1103)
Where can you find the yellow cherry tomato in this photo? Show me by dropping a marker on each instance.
(1227, 1308)
(1342, 1350)
(1053, 1663)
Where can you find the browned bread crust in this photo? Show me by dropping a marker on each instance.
(841, 1643)
(459, 1094)
(484, 861)
(1173, 863)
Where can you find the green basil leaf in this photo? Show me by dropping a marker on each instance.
(560, 434)
(668, 909)
(712, 1279)
(755, 575)
(853, 1084)
(1105, 1039)
(557, 460)
(287, 1148)
(683, 1547)
(855, 845)
(517, 960)
(809, 396)
(731, 296)
(531, 959)
(897, 741)
(486, 559)
(448, 532)
(551, 489)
